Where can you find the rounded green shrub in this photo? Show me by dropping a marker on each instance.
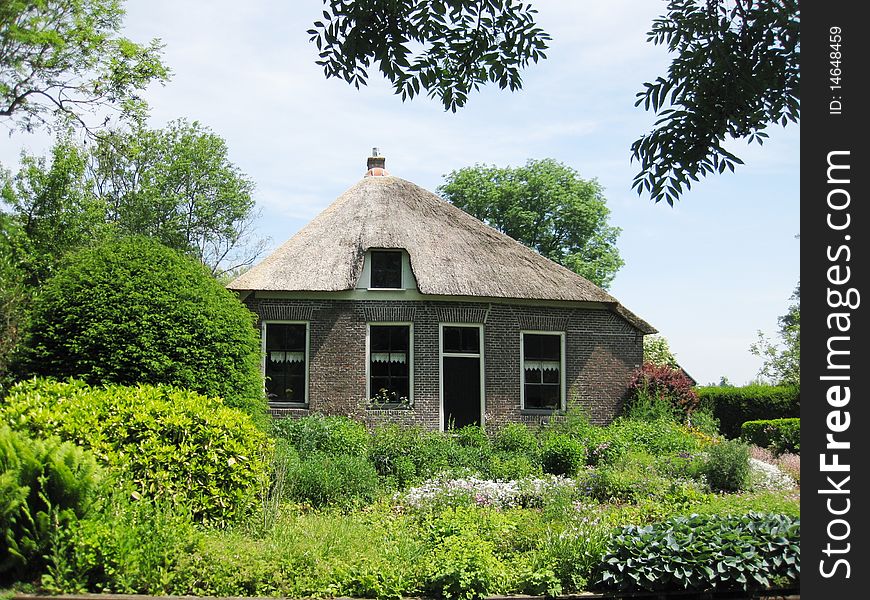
(516, 438)
(562, 454)
(727, 466)
(133, 311)
(164, 442)
(45, 485)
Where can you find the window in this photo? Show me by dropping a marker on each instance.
(386, 269)
(286, 359)
(390, 364)
(542, 366)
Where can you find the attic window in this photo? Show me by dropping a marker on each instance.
(386, 269)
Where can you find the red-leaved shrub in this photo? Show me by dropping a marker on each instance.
(653, 383)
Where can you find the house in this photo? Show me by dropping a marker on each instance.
(395, 305)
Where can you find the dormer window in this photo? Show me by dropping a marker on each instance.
(386, 269)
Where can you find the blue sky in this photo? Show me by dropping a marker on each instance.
(708, 274)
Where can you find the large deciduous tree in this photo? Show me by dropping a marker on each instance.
(63, 60)
(445, 48)
(176, 185)
(736, 71)
(546, 206)
(782, 361)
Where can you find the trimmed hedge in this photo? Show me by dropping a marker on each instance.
(780, 435)
(166, 443)
(733, 406)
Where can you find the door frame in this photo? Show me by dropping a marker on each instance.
(479, 356)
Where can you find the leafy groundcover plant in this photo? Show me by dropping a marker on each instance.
(704, 552)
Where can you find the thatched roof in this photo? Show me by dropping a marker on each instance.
(451, 252)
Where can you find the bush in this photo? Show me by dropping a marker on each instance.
(733, 406)
(779, 435)
(329, 434)
(343, 481)
(45, 486)
(165, 442)
(654, 383)
(133, 311)
(660, 437)
(562, 454)
(464, 567)
(516, 438)
(704, 552)
(727, 466)
(127, 547)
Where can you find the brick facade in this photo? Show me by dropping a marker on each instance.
(601, 352)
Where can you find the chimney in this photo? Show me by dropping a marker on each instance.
(375, 164)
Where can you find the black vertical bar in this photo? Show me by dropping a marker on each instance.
(834, 228)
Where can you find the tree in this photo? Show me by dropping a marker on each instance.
(14, 294)
(446, 48)
(178, 186)
(657, 351)
(546, 206)
(736, 71)
(175, 184)
(782, 362)
(133, 311)
(52, 203)
(63, 60)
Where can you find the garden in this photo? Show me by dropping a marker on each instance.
(137, 458)
(158, 490)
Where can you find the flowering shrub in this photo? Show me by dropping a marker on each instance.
(443, 492)
(790, 464)
(663, 383)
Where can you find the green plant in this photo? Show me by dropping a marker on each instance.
(735, 405)
(659, 437)
(727, 466)
(665, 383)
(133, 311)
(703, 552)
(125, 546)
(515, 438)
(342, 480)
(164, 442)
(332, 434)
(779, 435)
(562, 454)
(464, 567)
(45, 486)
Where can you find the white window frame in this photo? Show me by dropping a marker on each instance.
(370, 257)
(441, 356)
(562, 394)
(410, 326)
(263, 330)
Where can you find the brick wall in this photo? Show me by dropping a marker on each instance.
(601, 352)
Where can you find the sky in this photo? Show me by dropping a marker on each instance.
(708, 274)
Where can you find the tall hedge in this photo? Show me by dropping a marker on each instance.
(733, 406)
(133, 311)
